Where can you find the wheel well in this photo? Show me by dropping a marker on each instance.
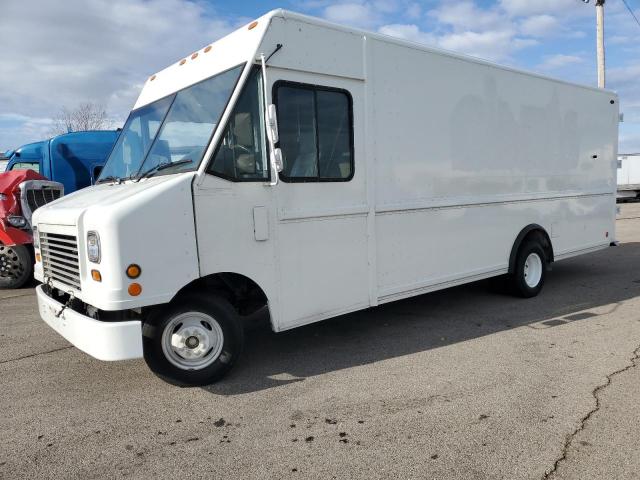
(527, 233)
(244, 294)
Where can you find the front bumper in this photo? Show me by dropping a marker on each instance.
(107, 341)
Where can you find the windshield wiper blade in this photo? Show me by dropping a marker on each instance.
(110, 178)
(163, 166)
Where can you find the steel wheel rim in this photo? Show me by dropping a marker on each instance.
(192, 341)
(10, 264)
(533, 270)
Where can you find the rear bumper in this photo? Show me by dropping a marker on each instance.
(107, 341)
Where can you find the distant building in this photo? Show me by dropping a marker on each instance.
(629, 175)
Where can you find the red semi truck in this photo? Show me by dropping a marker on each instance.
(21, 192)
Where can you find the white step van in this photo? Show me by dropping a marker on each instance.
(313, 170)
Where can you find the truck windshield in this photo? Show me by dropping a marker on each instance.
(175, 129)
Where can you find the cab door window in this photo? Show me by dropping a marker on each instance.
(241, 154)
(316, 132)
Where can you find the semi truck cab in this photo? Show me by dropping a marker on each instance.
(74, 159)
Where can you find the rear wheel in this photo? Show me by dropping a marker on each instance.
(16, 266)
(530, 270)
(193, 342)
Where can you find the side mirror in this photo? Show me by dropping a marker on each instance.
(272, 123)
(276, 159)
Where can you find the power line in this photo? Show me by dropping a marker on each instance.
(631, 12)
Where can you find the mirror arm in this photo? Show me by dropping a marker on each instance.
(272, 156)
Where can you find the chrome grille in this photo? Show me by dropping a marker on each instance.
(38, 198)
(60, 258)
(36, 193)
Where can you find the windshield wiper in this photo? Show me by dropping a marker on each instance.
(162, 166)
(110, 178)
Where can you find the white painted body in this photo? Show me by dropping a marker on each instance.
(453, 157)
(629, 175)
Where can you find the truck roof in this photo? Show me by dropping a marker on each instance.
(242, 46)
(34, 150)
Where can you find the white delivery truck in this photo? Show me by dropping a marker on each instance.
(316, 170)
(628, 176)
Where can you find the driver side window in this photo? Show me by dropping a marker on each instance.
(240, 155)
(26, 166)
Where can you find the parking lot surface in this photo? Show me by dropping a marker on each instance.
(462, 383)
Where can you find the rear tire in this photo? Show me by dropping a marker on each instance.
(194, 341)
(16, 266)
(530, 270)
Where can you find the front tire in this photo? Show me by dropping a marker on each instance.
(193, 342)
(16, 266)
(530, 271)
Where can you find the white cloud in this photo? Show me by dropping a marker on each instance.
(539, 7)
(386, 6)
(491, 45)
(408, 32)
(539, 25)
(466, 28)
(553, 62)
(92, 50)
(355, 14)
(466, 15)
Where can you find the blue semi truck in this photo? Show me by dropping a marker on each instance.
(36, 174)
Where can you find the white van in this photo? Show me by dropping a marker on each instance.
(316, 170)
(629, 176)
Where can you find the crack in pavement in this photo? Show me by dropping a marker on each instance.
(35, 355)
(583, 422)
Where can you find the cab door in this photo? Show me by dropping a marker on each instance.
(321, 198)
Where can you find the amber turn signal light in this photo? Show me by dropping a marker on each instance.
(135, 289)
(38, 258)
(133, 271)
(95, 274)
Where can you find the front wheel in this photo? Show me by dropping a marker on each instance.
(530, 271)
(16, 266)
(193, 342)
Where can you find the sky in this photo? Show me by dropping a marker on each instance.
(56, 54)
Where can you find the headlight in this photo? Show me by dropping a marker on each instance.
(36, 239)
(17, 221)
(93, 247)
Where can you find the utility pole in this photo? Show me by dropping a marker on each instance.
(600, 41)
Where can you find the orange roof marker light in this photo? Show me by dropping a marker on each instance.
(207, 49)
(183, 61)
(253, 25)
(153, 77)
(194, 56)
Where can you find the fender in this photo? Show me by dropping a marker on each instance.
(534, 227)
(14, 236)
